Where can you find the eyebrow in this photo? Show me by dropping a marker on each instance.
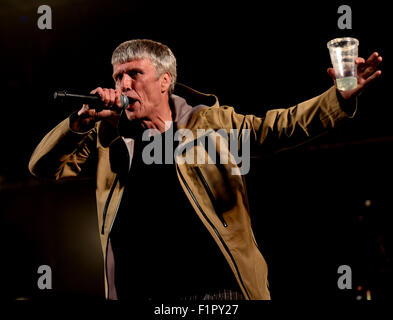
(116, 74)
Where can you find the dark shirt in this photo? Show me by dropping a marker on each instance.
(160, 245)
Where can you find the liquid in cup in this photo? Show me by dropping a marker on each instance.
(343, 53)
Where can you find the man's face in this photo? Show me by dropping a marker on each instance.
(138, 80)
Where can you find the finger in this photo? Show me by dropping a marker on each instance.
(370, 69)
(372, 57)
(332, 74)
(106, 96)
(372, 62)
(376, 75)
(92, 113)
(359, 65)
(112, 96)
(100, 91)
(83, 110)
(106, 113)
(359, 61)
(375, 60)
(95, 90)
(118, 98)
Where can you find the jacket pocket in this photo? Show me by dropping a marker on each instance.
(216, 206)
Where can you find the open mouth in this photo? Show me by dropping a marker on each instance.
(131, 102)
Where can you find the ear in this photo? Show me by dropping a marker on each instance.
(165, 79)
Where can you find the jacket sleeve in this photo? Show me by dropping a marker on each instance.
(63, 153)
(282, 129)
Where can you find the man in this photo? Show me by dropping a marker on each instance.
(179, 229)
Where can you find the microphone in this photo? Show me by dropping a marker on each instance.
(93, 100)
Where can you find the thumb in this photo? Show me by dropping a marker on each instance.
(332, 74)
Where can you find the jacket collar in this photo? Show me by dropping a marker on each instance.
(186, 101)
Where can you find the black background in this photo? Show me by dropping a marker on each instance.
(308, 204)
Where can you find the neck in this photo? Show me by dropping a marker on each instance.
(158, 119)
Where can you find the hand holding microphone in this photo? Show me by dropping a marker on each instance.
(103, 103)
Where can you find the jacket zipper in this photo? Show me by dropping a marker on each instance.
(211, 196)
(106, 266)
(108, 200)
(214, 228)
(103, 225)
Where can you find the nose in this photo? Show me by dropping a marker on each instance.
(126, 83)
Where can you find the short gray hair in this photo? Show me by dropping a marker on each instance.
(159, 54)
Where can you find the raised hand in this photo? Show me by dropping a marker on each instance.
(87, 116)
(366, 73)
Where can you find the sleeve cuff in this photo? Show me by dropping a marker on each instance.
(349, 106)
(85, 130)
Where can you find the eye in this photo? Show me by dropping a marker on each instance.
(134, 73)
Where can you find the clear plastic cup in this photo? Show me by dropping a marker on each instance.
(343, 52)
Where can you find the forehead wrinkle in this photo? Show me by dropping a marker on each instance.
(125, 67)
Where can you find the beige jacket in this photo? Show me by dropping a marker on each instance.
(218, 196)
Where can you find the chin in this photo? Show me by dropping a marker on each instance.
(131, 115)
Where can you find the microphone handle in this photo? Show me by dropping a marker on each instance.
(93, 100)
